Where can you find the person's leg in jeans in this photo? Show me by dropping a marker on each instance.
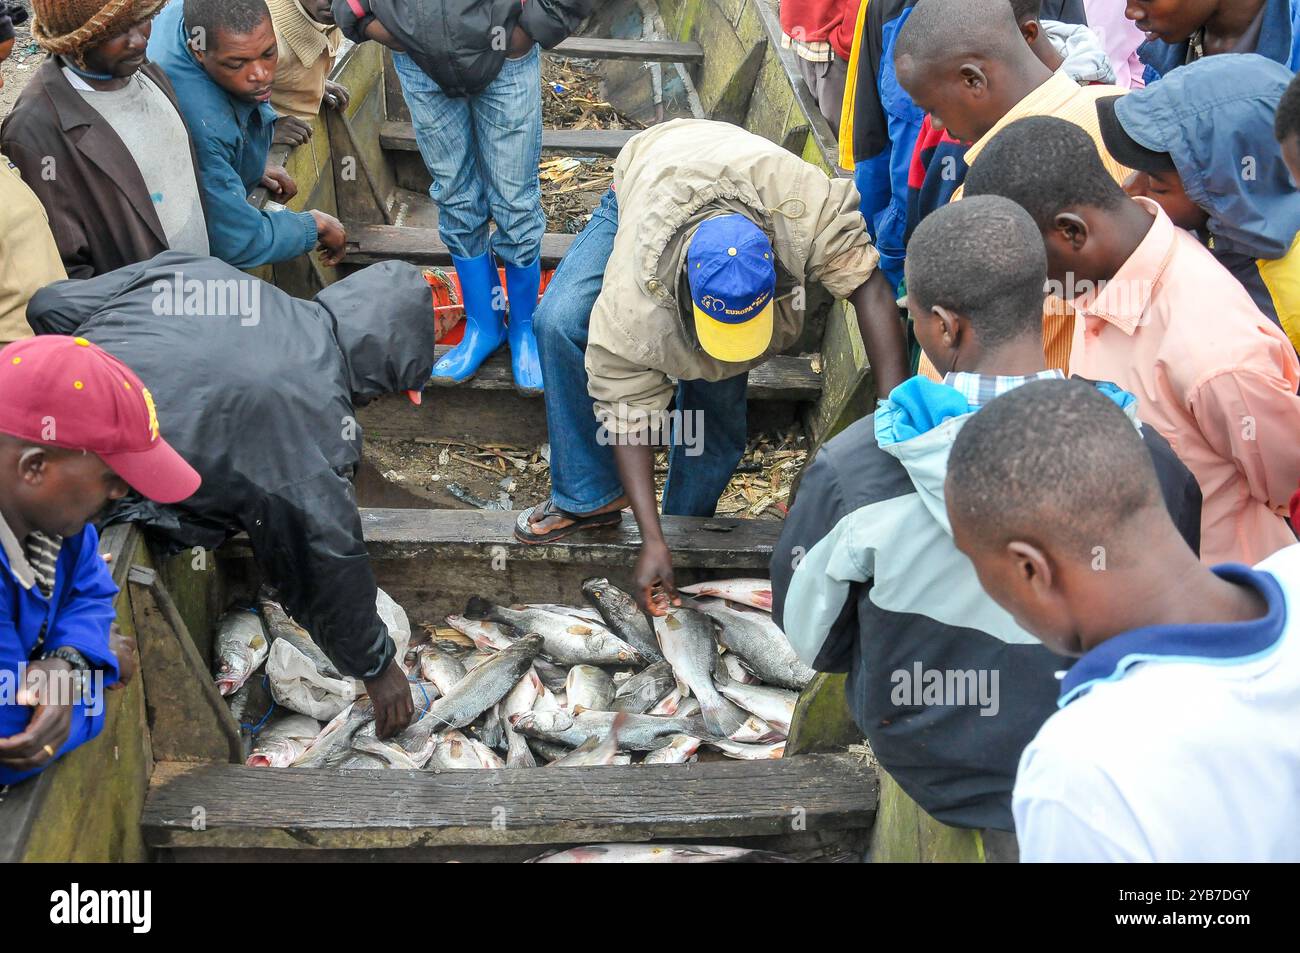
(708, 441)
(583, 475)
(507, 119)
(444, 131)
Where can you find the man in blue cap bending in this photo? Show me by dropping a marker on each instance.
(692, 271)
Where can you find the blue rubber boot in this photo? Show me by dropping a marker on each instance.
(521, 288)
(485, 331)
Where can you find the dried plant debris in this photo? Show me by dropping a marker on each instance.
(498, 476)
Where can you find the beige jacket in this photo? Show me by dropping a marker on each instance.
(307, 52)
(670, 178)
(29, 259)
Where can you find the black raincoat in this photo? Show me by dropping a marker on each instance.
(257, 390)
(461, 44)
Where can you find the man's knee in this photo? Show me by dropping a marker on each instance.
(561, 320)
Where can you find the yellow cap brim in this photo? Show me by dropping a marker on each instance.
(735, 343)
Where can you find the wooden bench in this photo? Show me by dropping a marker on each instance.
(297, 809)
(650, 51)
(400, 137)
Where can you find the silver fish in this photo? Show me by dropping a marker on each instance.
(387, 755)
(456, 752)
(485, 685)
(669, 704)
(750, 592)
(731, 664)
(553, 676)
(334, 742)
(774, 705)
(679, 750)
(639, 732)
(439, 667)
(520, 699)
(589, 688)
(487, 636)
(623, 616)
(639, 693)
(578, 612)
(595, 750)
(491, 733)
(242, 646)
(547, 751)
(747, 752)
(284, 738)
(761, 644)
(280, 626)
(687, 639)
(566, 640)
(660, 854)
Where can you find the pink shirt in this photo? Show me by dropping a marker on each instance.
(1214, 376)
(1120, 37)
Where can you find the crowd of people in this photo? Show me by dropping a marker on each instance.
(1078, 481)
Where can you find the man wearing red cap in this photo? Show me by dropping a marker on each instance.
(78, 430)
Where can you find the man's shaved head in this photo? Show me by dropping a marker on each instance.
(941, 31)
(1051, 462)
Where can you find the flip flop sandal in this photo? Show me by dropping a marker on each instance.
(580, 523)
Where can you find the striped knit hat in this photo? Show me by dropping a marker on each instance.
(70, 27)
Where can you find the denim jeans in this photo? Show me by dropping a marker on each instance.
(482, 152)
(584, 476)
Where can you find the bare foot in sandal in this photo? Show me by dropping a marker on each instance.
(546, 521)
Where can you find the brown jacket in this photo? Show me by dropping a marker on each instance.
(99, 207)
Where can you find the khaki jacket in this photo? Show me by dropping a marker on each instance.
(30, 259)
(668, 180)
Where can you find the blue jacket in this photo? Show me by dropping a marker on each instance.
(232, 140)
(77, 615)
(1212, 117)
(1279, 40)
(866, 580)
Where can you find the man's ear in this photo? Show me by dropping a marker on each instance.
(950, 326)
(973, 78)
(31, 465)
(1072, 229)
(1032, 565)
(1030, 31)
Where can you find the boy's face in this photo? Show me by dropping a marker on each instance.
(60, 491)
(121, 56)
(1291, 156)
(1016, 581)
(955, 95)
(1171, 20)
(322, 11)
(1166, 190)
(243, 64)
(929, 332)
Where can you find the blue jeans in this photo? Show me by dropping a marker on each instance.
(584, 476)
(482, 152)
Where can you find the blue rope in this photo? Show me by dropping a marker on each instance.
(254, 729)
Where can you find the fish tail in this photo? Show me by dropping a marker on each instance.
(722, 717)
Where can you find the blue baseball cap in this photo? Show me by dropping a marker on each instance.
(731, 269)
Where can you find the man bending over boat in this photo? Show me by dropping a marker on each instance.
(77, 431)
(710, 235)
(260, 391)
(866, 578)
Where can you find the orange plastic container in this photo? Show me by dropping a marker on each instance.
(447, 299)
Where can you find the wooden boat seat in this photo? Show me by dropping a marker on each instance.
(296, 808)
(400, 137)
(602, 48)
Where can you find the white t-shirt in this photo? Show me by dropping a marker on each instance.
(1175, 743)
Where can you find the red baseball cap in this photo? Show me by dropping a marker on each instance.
(66, 392)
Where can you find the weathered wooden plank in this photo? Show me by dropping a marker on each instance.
(299, 808)
(368, 244)
(188, 718)
(400, 137)
(822, 720)
(697, 542)
(600, 48)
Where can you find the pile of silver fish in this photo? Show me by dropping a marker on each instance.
(561, 686)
